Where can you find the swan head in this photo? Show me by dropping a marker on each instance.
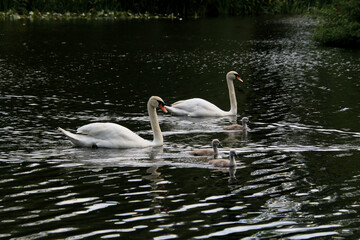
(216, 143)
(156, 101)
(232, 157)
(233, 154)
(232, 75)
(244, 120)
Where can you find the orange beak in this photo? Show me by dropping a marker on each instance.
(163, 108)
(238, 78)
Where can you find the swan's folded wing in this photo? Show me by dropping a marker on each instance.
(177, 103)
(202, 152)
(105, 131)
(220, 162)
(196, 107)
(189, 104)
(111, 135)
(176, 111)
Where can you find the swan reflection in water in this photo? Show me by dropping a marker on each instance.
(232, 175)
(103, 157)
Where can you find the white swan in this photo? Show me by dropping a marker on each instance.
(198, 107)
(226, 162)
(111, 135)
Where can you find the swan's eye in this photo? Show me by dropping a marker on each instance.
(161, 104)
(237, 77)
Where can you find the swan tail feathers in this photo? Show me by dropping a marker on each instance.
(77, 139)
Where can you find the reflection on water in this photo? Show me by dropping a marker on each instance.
(297, 176)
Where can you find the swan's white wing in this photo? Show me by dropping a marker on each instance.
(105, 130)
(108, 135)
(111, 135)
(79, 139)
(196, 107)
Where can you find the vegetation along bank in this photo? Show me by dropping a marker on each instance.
(339, 20)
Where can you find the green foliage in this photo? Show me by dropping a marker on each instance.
(183, 8)
(340, 24)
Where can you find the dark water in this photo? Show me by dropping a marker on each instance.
(298, 174)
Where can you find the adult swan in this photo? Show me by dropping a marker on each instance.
(198, 107)
(111, 135)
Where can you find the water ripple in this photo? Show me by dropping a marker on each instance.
(297, 175)
(239, 229)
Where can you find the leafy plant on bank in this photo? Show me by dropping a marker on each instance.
(340, 24)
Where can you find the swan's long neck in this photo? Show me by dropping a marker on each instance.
(232, 161)
(158, 138)
(216, 151)
(233, 103)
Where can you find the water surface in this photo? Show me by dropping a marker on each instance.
(298, 173)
